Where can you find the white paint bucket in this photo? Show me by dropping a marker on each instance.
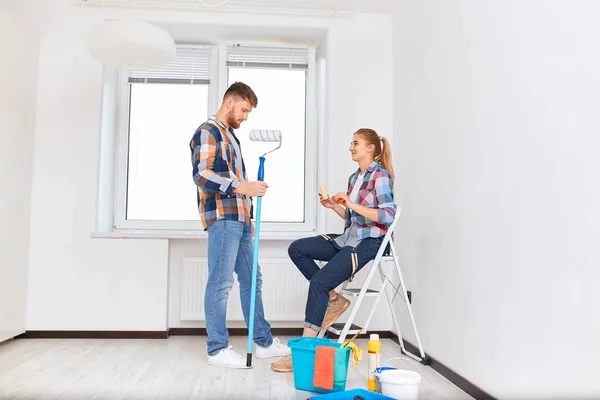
(400, 384)
(378, 372)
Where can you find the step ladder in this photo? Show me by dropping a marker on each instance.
(385, 254)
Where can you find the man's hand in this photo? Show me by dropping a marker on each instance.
(252, 189)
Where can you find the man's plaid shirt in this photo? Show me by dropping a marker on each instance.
(217, 173)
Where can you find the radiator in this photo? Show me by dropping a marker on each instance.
(284, 291)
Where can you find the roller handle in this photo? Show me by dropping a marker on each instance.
(261, 177)
(261, 169)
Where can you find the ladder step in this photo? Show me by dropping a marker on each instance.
(338, 327)
(356, 292)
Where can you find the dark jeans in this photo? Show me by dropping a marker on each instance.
(304, 252)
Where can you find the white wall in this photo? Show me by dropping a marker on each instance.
(106, 284)
(78, 283)
(18, 72)
(497, 136)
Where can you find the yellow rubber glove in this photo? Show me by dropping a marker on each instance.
(356, 352)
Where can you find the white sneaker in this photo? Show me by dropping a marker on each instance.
(276, 349)
(227, 358)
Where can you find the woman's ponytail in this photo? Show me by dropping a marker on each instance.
(385, 157)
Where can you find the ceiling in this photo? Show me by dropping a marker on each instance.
(289, 6)
(38, 14)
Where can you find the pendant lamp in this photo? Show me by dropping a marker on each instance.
(132, 44)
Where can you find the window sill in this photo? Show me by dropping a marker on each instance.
(166, 234)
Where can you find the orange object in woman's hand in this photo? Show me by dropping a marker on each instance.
(340, 198)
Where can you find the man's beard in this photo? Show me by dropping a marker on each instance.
(231, 121)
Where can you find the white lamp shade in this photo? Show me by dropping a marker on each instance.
(134, 44)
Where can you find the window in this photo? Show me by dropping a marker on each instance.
(161, 108)
(280, 78)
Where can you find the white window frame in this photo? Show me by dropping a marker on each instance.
(217, 86)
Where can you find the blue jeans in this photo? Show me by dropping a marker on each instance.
(230, 250)
(304, 252)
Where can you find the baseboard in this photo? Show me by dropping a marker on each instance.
(144, 334)
(382, 335)
(234, 331)
(94, 335)
(470, 388)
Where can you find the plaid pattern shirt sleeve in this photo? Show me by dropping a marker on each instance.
(211, 172)
(385, 198)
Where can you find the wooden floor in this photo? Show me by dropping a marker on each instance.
(174, 368)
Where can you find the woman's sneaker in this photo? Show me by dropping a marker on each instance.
(335, 308)
(283, 365)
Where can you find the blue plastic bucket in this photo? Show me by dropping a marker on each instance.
(304, 350)
(351, 395)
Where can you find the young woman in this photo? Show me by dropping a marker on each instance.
(368, 209)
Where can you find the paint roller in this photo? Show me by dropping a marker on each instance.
(266, 136)
(325, 196)
(258, 136)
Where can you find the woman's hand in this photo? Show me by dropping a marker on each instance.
(342, 198)
(326, 203)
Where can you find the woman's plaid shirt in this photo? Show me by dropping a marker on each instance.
(376, 191)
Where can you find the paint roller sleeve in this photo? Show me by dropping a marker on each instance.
(262, 135)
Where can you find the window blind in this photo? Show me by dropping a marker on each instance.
(190, 66)
(267, 57)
